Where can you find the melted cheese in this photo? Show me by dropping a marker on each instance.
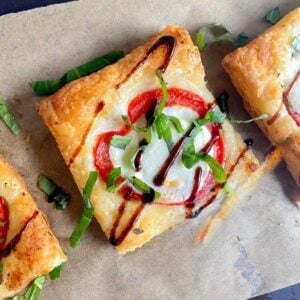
(179, 182)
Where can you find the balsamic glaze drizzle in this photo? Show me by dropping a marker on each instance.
(162, 173)
(168, 41)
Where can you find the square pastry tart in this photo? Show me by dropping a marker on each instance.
(266, 72)
(28, 248)
(159, 153)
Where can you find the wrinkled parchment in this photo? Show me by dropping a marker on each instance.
(254, 251)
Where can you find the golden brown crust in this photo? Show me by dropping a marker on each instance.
(258, 71)
(80, 100)
(37, 251)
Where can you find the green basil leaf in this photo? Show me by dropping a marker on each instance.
(1, 267)
(242, 39)
(200, 39)
(144, 188)
(55, 193)
(112, 177)
(8, 118)
(33, 290)
(210, 34)
(228, 189)
(215, 166)
(261, 117)
(211, 117)
(215, 116)
(46, 87)
(132, 126)
(164, 88)
(189, 159)
(46, 184)
(222, 101)
(92, 66)
(162, 124)
(55, 273)
(148, 135)
(2, 223)
(176, 123)
(120, 141)
(163, 129)
(273, 16)
(296, 43)
(88, 211)
(49, 87)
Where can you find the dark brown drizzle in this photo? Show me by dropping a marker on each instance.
(162, 173)
(210, 144)
(15, 240)
(78, 148)
(190, 200)
(139, 155)
(117, 240)
(168, 41)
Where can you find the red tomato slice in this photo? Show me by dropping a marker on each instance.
(4, 219)
(136, 109)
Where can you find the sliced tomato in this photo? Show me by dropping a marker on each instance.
(4, 222)
(141, 103)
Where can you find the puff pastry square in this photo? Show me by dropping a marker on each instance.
(266, 74)
(28, 248)
(84, 115)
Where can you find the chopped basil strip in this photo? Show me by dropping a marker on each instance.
(261, 117)
(296, 44)
(1, 267)
(49, 87)
(88, 211)
(8, 118)
(92, 66)
(163, 129)
(132, 126)
(1, 240)
(55, 193)
(46, 87)
(144, 188)
(2, 223)
(228, 189)
(215, 166)
(148, 135)
(273, 16)
(112, 177)
(120, 141)
(242, 39)
(55, 273)
(222, 101)
(211, 117)
(207, 35)
(164, 88)
(33, 290)
(176, 123)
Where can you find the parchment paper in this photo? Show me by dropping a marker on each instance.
(254, 251)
